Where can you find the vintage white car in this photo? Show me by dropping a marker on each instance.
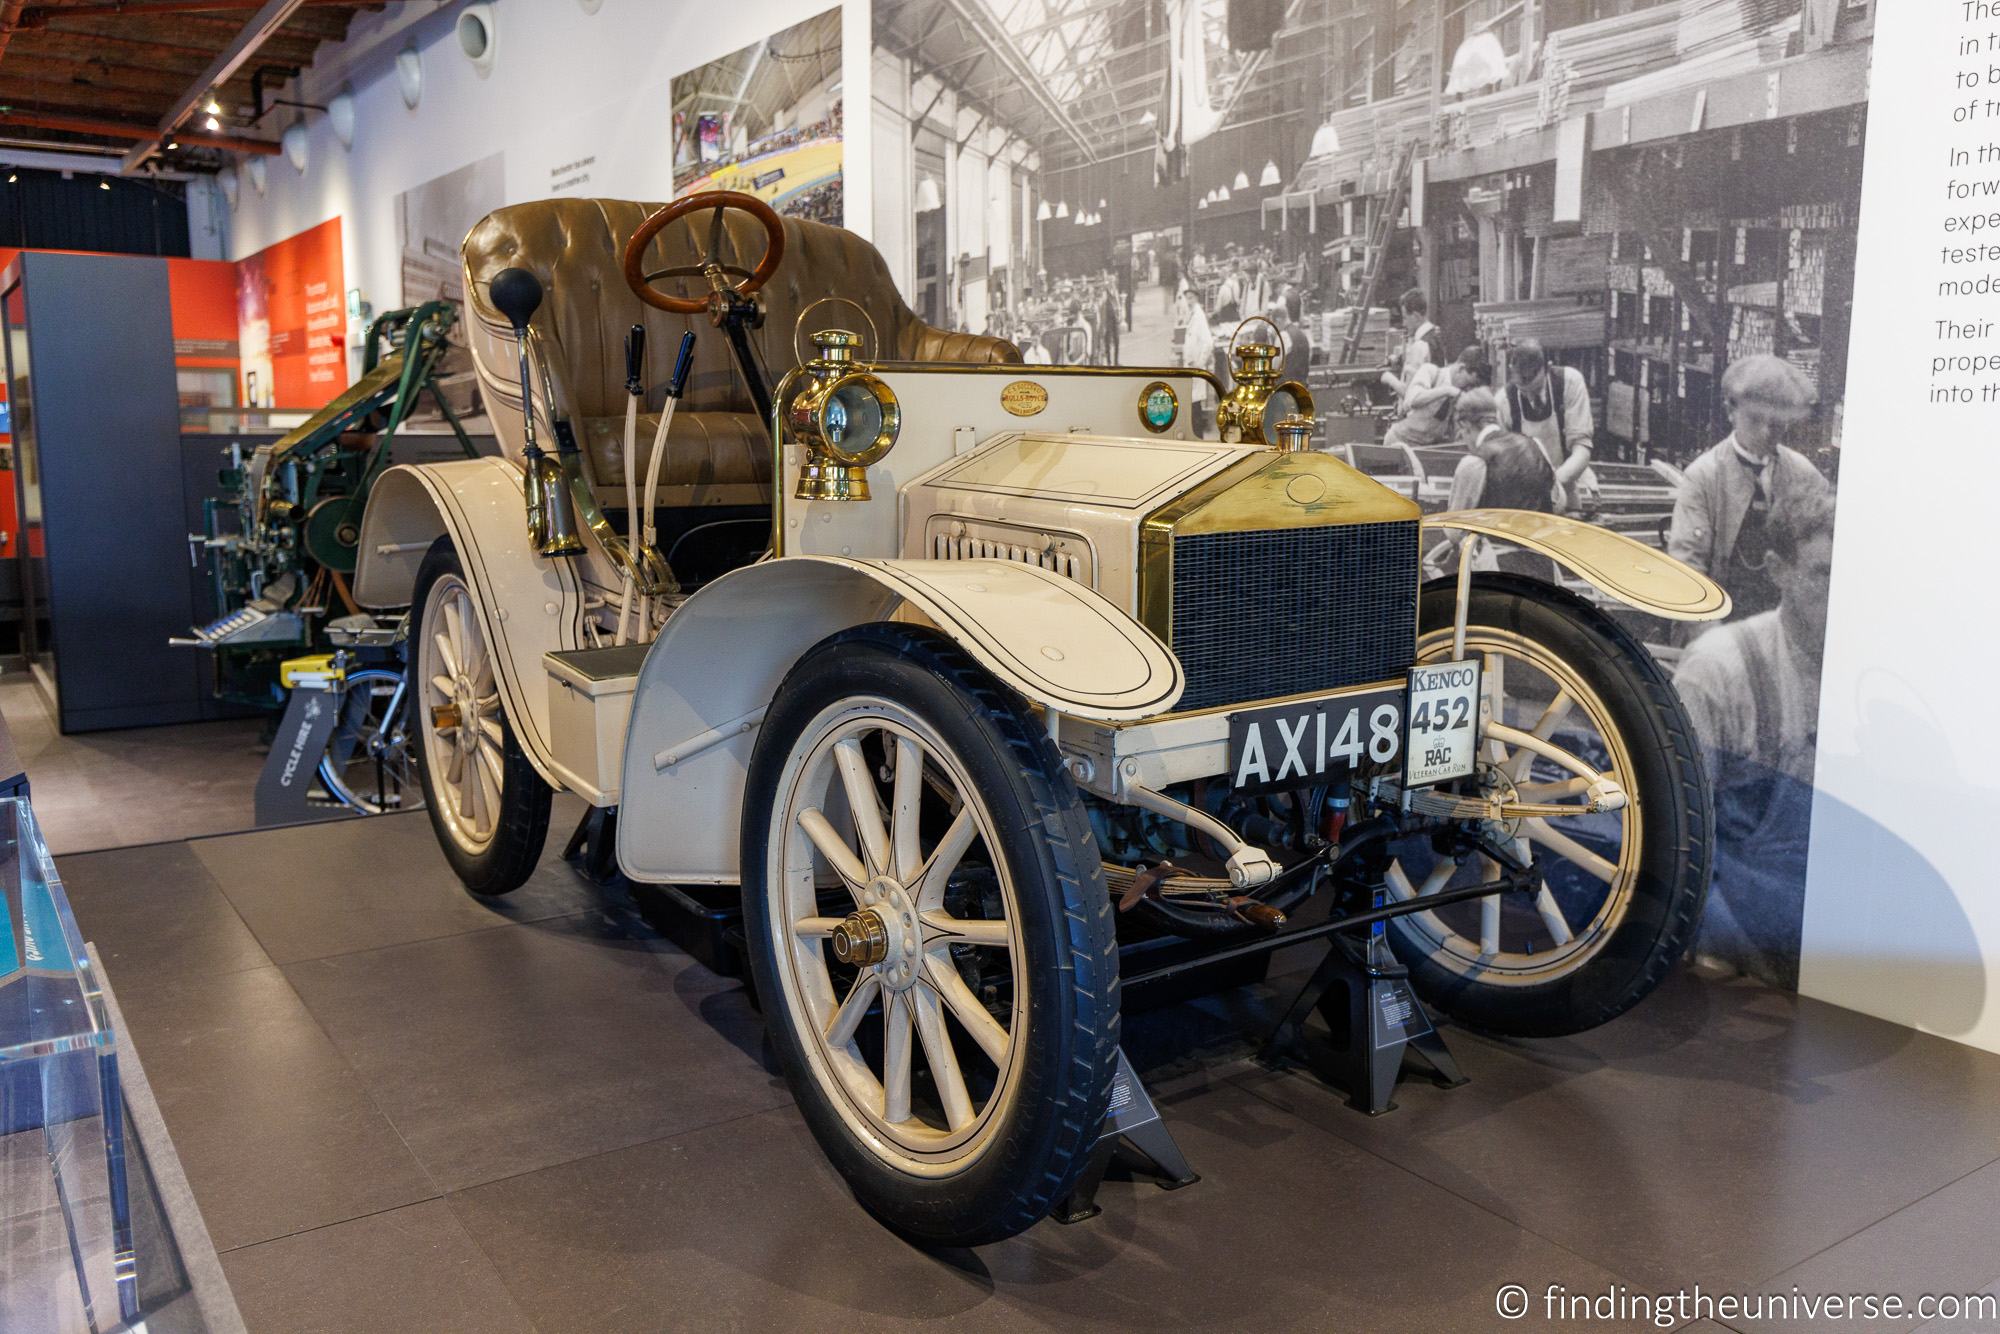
(963, 670)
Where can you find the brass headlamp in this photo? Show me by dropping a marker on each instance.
(1259, 400)
(843, 415)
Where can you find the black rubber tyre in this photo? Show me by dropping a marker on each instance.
(511, 855)
(1063, 1080)
(1676, 819)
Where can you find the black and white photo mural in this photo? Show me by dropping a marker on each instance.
(1625, 227)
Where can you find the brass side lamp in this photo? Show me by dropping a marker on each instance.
(843, 415)
(1259, 400)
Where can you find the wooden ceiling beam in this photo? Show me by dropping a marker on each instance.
(239, 53)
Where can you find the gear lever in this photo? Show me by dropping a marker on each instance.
(517, 294)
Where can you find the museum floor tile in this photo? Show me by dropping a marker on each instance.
(136, 785)
(403, 1108)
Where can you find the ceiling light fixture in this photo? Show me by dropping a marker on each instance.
(1326, 140)
(104, 185)
(211, 124)
(1062, 208)
(1222, 194)
(1270, 176)
(213, 108)
(1242, 182)
(928, 198)
(1044, 213)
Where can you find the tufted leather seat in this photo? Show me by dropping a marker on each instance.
(718, 453)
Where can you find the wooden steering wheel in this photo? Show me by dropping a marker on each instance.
(721, 277)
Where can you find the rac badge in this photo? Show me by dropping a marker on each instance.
(1024, 398)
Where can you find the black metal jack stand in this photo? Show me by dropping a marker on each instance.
(1133, 1132)
(1365, 997)
(593, 847)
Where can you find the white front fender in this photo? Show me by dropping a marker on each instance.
(708, 680)
(1612, 563)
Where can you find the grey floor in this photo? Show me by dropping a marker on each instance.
(140, 785)
(401, 1109)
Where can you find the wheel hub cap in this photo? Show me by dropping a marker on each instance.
(862, 939)
(883, 934)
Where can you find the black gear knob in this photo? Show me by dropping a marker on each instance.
(517, 294)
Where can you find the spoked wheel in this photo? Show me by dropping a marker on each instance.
(368, 766)
(489, 808)
(931, 936)
(1621, 890)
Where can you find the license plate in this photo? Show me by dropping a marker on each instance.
(1296, 745)
(1444, 722)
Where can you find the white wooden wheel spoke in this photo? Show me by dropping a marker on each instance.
(846, 1021)
(489, 760)
(815, 928)
(1552, 916)
(1544, 728)
(896, 1047)
(444, 685)
(1399, 880)
(966, 930)
(865, 803)
(490, 726)
(907, 809)
(942, 1060)
(454, 771)
(1555, 791)
(446, 653)
(475, 797)
(1489, 927)
(965, 1007)
(834, 848)
(945, 857)
(1540, 831)
(455, 630)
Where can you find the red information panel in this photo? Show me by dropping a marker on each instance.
(291, 314)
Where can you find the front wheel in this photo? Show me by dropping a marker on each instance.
(488, 806)
(930, 932)
(1621, 891)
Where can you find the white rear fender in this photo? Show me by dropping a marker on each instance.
(528, 606)
(706, 684)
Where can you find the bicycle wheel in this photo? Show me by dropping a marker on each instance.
(367, 766)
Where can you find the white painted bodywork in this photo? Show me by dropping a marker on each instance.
(1044, 496)
(715, 668)
(528, 606)
(947, 412)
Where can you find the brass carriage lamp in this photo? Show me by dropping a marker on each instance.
(845, 416)
(1259, 400)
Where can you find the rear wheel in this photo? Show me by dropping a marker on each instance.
(929, 929)
(1621, 891)
(488, 806)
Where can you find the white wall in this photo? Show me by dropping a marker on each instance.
(565, 87)
(1903, 899)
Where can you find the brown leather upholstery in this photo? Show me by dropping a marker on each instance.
(718, 452)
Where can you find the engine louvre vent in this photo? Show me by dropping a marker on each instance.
(965, 539)
(1264, 614)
